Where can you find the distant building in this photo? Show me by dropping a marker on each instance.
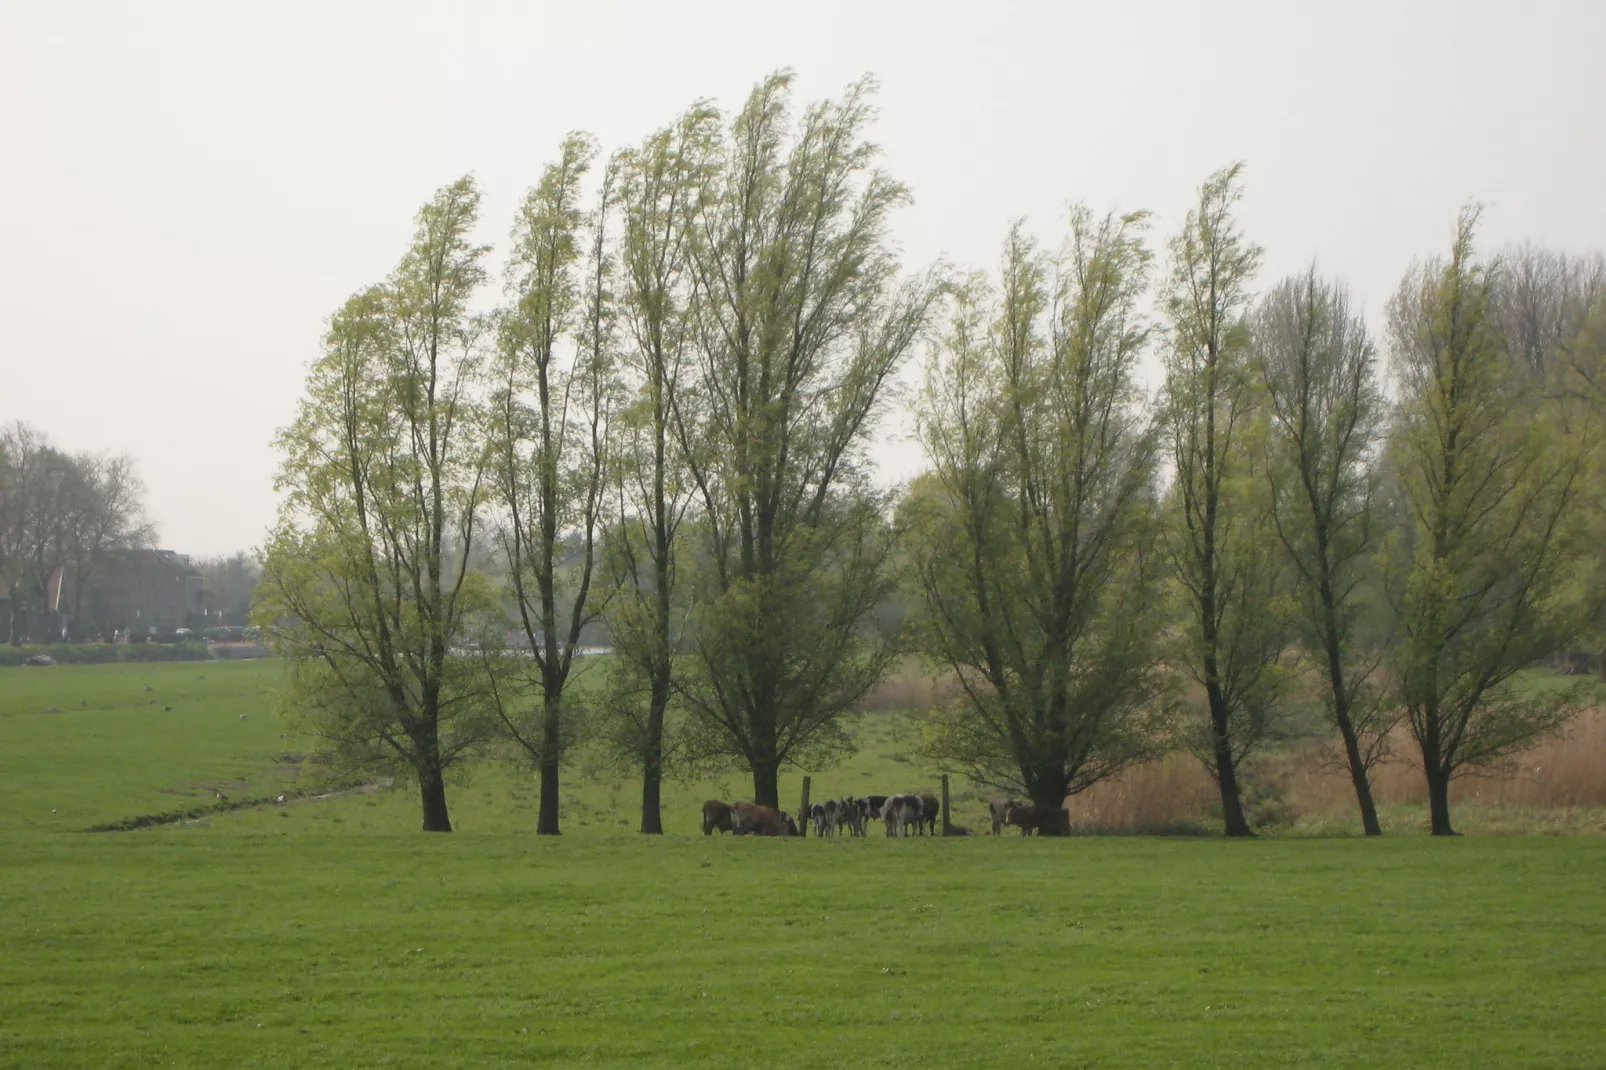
(139, 593)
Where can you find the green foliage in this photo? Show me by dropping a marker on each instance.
(548, 440)
(1492, 565)
(366, 586)
(1328, 412)
(801, 323)
(1319, 371)
(1032, 540)
(1230, 592)
(663, 187)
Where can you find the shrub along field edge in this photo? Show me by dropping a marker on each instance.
(105, 653)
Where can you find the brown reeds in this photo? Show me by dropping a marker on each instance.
(909, 688)
(1307, 787)
(1171, 796)
(1566, 771)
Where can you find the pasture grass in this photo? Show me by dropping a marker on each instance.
(111, 749)
(331, 933)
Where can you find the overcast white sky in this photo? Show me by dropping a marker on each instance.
(188, 190)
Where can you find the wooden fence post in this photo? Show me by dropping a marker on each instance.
(947, 825)
(803, 811)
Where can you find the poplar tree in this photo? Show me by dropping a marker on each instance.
(1319, 370)
(366, 587)
(1218, 527)
(1491, 568)
(661, 189)
(551, 408)
(802, 321)
(1033, 536)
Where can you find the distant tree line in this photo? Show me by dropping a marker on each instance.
(229, 582)
(63, 518)
(663, 429)
(61, 515)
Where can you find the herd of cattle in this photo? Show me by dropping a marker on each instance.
(900, 815)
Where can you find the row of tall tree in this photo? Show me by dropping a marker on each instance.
(664, 421)
(663, 425)
(61, 514)
(1269, 521)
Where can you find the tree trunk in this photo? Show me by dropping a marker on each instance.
(1346, 727)
(1439, 799)
(1049, 798)
(432, 790)
(652, 777)
(1357, 774)
(1232, 807)
(767, 785)
(652, 765)
(546, 823)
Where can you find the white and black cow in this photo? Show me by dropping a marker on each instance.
(819, 819)
(900, 812)
(850, 814)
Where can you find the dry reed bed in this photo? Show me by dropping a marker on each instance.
(1565, 773)
(1307, 785)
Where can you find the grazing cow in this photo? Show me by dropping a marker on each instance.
(930, 810)
(833, 816)
(900, 812)
(998, 810)
(1023, 817)
(817, 819)
(1039, 819)
(791, 825)
(750, 819)
(870, 807)
(716, 815)
(850, 812)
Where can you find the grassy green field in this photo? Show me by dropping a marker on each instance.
(330, 933)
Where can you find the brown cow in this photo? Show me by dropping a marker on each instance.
(1039, 819)
(751, 819)
(716, 815)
